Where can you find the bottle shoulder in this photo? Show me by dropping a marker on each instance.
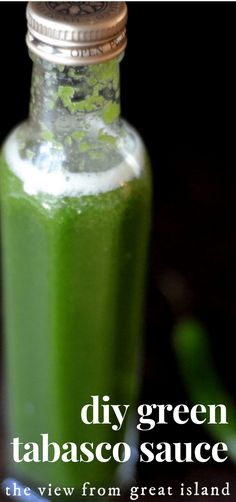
(99, 148)
(45, 165)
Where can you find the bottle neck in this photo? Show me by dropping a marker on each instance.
(69, 103)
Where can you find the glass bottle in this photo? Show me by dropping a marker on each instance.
(75, 203)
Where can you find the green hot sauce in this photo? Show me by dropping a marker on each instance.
(75, 201)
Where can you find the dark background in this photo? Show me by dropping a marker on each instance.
(178, 89)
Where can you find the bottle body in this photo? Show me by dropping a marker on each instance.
(74, 258)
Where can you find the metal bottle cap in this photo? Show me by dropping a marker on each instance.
(76, 33)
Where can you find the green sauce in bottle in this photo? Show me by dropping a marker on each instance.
(75, 202)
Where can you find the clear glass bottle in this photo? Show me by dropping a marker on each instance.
(75, 202)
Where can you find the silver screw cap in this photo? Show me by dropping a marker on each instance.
(76, 33)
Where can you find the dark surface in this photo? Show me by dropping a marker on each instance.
(178, 88)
